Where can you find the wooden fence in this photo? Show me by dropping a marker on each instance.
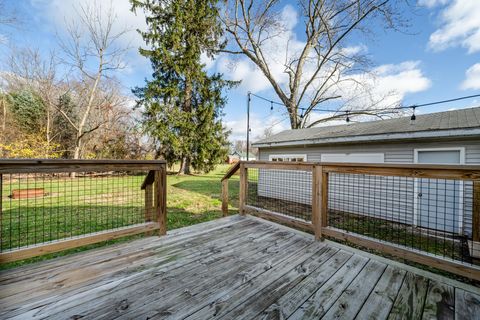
(52, 205)
(429, 214)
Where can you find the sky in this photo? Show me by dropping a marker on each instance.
(437, 57)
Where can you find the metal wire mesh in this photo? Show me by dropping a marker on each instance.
(429, 215)
(43, 207)
(287, 192)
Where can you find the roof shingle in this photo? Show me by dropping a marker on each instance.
(448, 120)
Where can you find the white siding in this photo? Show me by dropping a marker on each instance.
(390, 195)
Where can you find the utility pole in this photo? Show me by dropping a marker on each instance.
(248, 123)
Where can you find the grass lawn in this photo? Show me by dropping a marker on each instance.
(89, 204)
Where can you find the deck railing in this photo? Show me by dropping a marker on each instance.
(52, 205)
(429, 214)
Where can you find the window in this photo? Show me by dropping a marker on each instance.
(288, 157)
(440, 155)
(354, 157)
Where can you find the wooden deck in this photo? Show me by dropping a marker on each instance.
(232, 268)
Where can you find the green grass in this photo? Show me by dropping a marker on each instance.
(89, 204)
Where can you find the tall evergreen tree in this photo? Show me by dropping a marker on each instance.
(183, 103)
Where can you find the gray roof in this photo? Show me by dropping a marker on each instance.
(425, 125)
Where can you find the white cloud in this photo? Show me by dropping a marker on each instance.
(472, 78)
(460, 26)
(57, 14)
(387, 82)
(61, 12)
(432, 3)
(258, 124)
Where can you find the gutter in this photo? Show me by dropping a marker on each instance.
(375, 137)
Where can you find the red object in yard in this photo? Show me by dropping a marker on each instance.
(27, 193)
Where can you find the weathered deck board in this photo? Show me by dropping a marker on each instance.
(233, 268)
(411, 298)
(467, 305)
(319, 303)
(142, 279)
(380, 301)
(440, 302)
(196, 249)
(352, 299)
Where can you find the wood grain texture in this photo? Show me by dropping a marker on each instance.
(316, 201)
(233, 268)
(318, 304)
(231, 171)
(242, 196)
(440, 302)
(160, 190)
(467, 305)
(76, 242)
(476, 211)
(354, 296)
(411, 298)
(380, 301)
(225, 197)
(462, 269)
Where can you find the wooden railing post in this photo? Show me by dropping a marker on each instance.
(225, 197)
(161, 199)
(476, 211)
(148, 202)
(243, 188)
(316, 201)
(324, 200)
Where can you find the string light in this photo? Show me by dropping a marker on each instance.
(413, 117)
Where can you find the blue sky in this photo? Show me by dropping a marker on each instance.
(438, 58)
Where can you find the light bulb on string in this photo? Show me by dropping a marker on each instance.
(413, 117)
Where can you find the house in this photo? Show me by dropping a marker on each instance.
(251, 156)
(233, 157)
(451, 137)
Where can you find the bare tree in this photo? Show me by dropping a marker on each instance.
(318, 69)
(92, 49)
(29, 69)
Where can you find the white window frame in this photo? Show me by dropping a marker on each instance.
(304, 156)
(461, 149)
(416, 215)
(382, 154)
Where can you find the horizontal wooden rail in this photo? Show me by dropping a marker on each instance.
(60, 245)
(468, 271)
(50, 166)
(279, 218)
(440, 173)
(463, 168)
(281, 166)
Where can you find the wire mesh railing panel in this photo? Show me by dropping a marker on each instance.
(288, 192)
(422, 214)
(43, 207)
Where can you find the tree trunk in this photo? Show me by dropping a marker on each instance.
(295, 123)
(187, 107)
(76, 155)
(185, 166)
